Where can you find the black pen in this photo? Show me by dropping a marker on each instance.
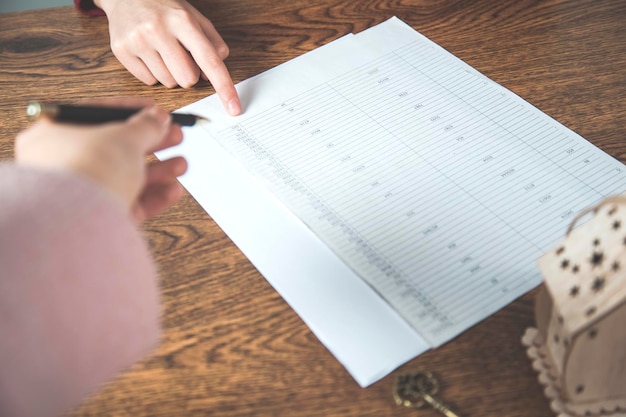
(96, 114)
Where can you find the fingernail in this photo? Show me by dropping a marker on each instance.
(234, 108)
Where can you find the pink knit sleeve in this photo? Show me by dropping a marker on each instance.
(78, 294)
(88, 7)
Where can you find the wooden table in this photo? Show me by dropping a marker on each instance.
(231, 345)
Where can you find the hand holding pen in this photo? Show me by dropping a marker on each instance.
(112, 155)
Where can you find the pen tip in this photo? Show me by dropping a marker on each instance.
(202, 120)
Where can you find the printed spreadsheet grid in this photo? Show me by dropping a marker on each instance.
(437, 186)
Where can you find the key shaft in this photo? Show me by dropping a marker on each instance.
(438, 405)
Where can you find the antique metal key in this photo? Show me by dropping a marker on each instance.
(415, 390)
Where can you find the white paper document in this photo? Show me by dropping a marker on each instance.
(392, 194)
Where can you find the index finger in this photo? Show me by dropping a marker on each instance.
(217, 73)
(209, 61)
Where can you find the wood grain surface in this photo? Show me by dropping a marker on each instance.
(231, 346)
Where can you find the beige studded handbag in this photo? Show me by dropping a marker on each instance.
(579, 345)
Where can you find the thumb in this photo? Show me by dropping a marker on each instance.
(148, 128)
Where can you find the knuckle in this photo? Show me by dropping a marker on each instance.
(118, 47)
(222, 50)
(181, 17)
(147, 29)
(214, 61)
(138, 38)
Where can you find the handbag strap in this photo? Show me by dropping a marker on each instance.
(618, 199)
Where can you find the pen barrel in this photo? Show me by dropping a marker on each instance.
(70, 113)
(87, 114)
(184, 119)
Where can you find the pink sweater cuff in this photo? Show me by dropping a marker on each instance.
(88, 7)
(79, 298)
